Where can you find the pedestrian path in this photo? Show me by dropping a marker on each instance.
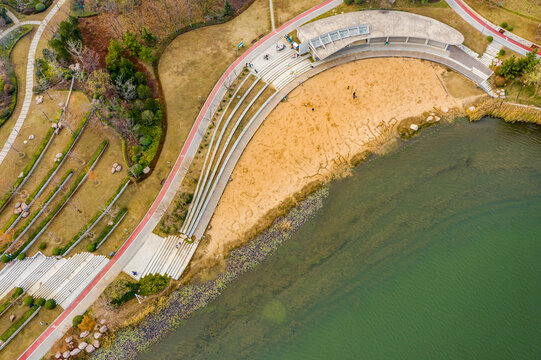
(165, 256)
(29, 86)
(51, 278)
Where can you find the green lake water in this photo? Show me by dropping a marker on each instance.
(432, 251)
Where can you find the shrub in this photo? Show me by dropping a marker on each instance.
(18, 291)
(503, 25)
(57, 251)
(40, 7)
(136, 170)
(501, 52)
(510, 28)
(40, 302)
(29, 300)
(50, 304)
(5, 259)
(87, 324)
(499, 81)
(359, 2)
(490, 38)
(153, 284)
(42, 246)
(146, 140)
(21, 256)
(143, 92)
(91, 247)
(348, 2)
(9, 89)
(148, 117)
(77, 320)
(228, 9)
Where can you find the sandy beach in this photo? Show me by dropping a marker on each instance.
(315, 134)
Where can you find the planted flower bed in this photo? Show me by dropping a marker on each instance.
(28, 7)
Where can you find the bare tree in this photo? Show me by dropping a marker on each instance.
(126, 89)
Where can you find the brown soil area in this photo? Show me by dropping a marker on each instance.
(318, 133)
(96, 35)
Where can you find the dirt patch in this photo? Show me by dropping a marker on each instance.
(96, 35)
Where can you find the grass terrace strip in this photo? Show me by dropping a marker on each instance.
(52, 172)
(108, 230)
(30, 220)
(7, 304)
(14, 329)
(28, 169)
(95, 219)
(78, 182)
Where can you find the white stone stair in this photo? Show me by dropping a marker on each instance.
(167, 259)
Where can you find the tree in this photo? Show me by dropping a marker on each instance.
(50, 304)
(21, 256)
(67, 31)
(29, 300)
(91, 247)
(5, 259)
(533, 78)
(228, 9)
(42, 246)
(40, 302)
(77, 320)
(18, 291)
(99, 83)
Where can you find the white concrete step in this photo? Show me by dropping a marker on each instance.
(78, 290)
(79, 276)
(178, 256)
(33, 278)
(51, 286)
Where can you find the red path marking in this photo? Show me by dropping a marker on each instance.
(494, 31)
(164, 189)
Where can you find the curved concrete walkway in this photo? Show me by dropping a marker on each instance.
(56, 330)
(28, 91)
(507, 39)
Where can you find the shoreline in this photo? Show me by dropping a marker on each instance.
(183, 302)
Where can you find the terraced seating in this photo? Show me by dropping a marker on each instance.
(47, 277)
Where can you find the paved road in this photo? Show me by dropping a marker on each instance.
(28, 91)
(509, 40)
(56, 330)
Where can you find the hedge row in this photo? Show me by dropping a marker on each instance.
(108, 229)
(17, 324)
(30, 219)
(53, 169)
(66, 197)
(62, 250)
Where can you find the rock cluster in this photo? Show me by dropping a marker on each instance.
(39, 99)
(500, 93)
(57, 127)
(75, 349)
(116, 168)
(414, 127)
(58, 157)
(497, 62)
(21, 208)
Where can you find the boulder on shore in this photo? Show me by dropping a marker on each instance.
(82, 345)
(69, 339)
(96, 344)
(66, 354)
(103, 329)
(57, 355)
(74, 352)
(414, 127)
(84, 334)
(89, 349)
(97, 335)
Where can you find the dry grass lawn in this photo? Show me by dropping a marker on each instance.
(285, 10)
(523, 26)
